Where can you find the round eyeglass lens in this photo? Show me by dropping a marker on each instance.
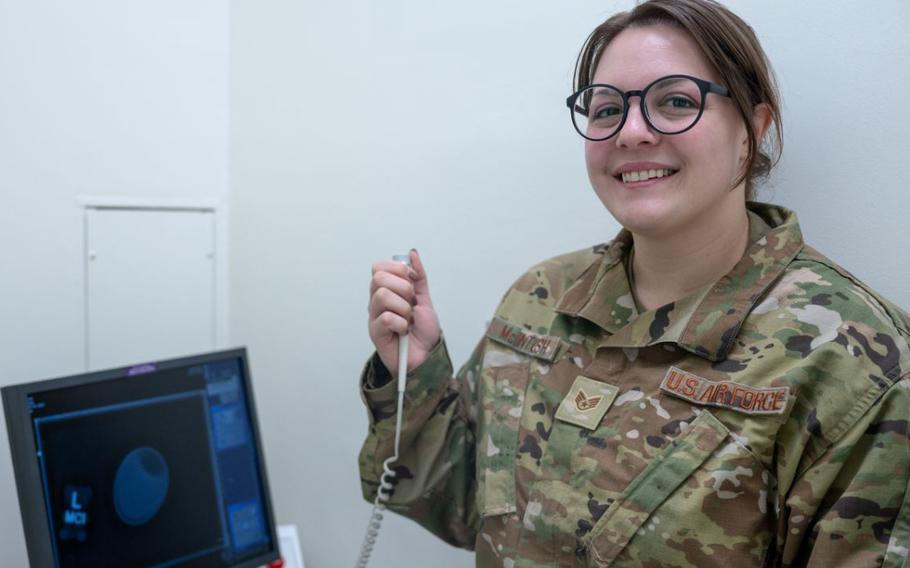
(673, 104)
(597, 112)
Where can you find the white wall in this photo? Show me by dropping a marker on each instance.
(360, 129)
(97, 97)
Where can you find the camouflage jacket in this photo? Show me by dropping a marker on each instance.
(762, 421)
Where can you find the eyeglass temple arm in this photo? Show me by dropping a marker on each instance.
(570, 103)
(718, 89)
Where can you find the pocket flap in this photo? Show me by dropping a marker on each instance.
(660, 478)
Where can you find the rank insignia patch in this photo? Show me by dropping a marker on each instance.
(586, 403)
(725, 394)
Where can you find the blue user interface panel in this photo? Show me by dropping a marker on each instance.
(157, 469)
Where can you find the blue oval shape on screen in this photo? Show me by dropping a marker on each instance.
(140, 485)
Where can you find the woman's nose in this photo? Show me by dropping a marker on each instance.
(636, 130)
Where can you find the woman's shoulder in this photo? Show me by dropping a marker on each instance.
(532, 298)
(841, 347)
(888, 316)
(820, 313)
(824, 302)
(817, 306)
(839, 343)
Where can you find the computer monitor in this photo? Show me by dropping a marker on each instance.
(158, 464)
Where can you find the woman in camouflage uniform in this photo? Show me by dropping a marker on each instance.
(706, 389)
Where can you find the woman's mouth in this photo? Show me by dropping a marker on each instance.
(645, 175)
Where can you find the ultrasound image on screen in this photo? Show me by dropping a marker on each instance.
(133, 484)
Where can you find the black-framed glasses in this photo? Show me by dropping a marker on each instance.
(670, 105)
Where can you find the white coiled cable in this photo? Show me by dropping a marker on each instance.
(384, 492)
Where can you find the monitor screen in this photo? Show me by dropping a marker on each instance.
(158, 464)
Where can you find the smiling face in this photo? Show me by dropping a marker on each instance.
(660, 185)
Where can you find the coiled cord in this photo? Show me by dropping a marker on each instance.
(384, 492)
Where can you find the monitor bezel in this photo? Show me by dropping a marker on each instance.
(32, 504)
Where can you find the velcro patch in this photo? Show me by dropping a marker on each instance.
(725, 394)
(587, 402)
(520, 339)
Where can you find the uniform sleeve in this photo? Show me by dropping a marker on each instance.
(851, 507)
(435, 475)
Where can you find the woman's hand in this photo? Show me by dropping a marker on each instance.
(400, 303)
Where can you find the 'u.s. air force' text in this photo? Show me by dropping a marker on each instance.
(725, 394)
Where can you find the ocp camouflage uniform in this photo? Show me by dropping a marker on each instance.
(762, 420)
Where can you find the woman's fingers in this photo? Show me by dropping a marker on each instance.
(421, 287)
(385, 300)
(401, 287)
(400, 303)
(389, 323)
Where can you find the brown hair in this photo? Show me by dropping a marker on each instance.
(730, 46)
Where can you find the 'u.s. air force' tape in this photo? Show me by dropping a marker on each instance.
(725, 394)
(523, 340)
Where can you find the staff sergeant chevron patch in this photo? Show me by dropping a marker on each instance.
(584, 403)
(587, 402)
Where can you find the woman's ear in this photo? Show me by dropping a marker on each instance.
(761, 121)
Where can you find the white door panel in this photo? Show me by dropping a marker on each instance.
(150, 284)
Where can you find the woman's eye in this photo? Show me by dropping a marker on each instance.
(678, 102)
(606, 112)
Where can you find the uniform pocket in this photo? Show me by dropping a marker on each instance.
(702, 501)
(502, 383)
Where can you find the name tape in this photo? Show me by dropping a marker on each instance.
(725, 394)
(520, 339)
